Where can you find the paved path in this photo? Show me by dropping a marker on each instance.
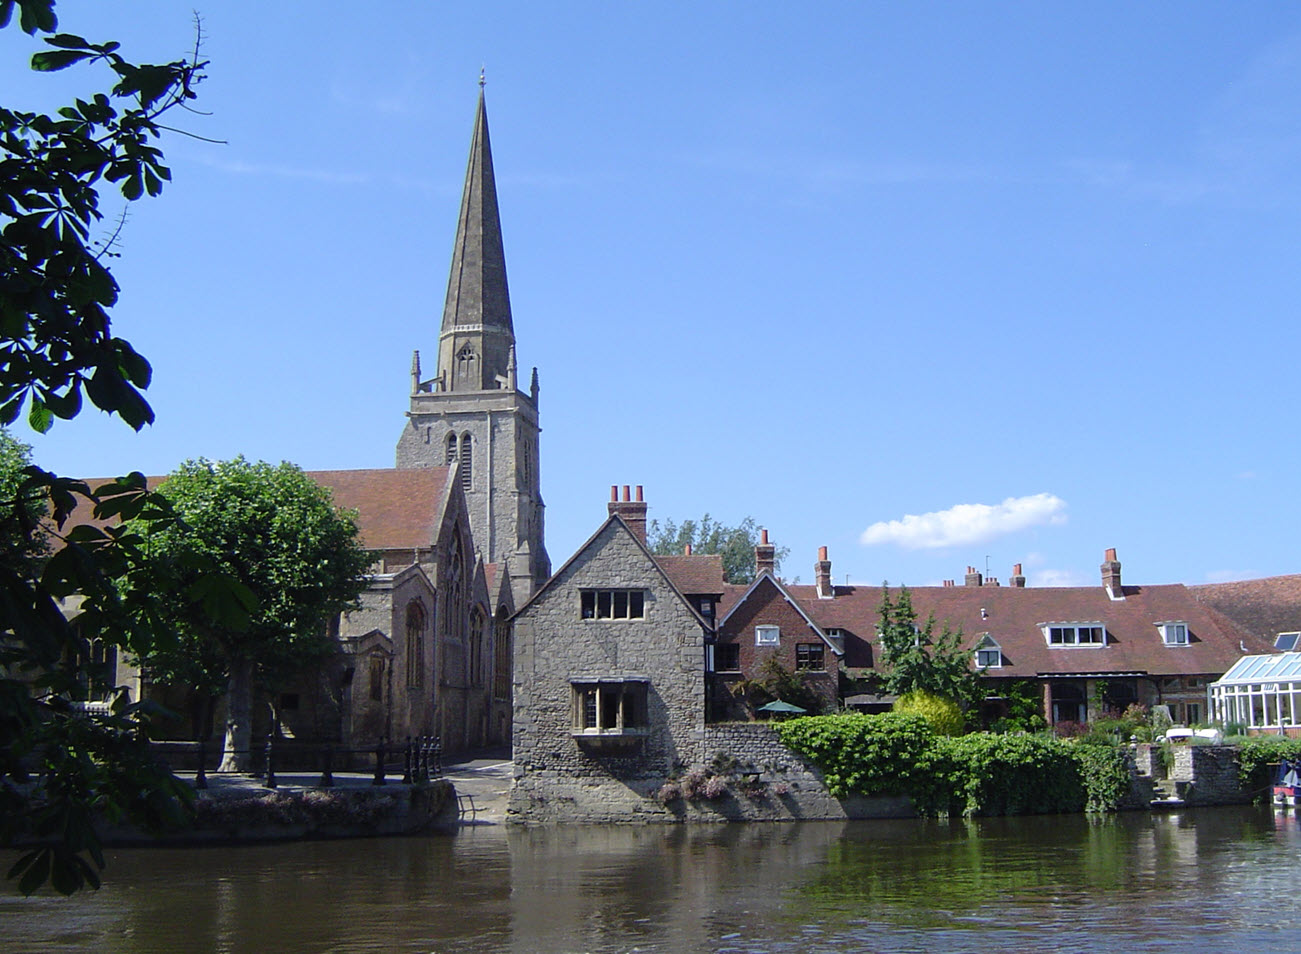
(482, 785)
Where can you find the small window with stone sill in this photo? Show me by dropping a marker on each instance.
(610, 708)
(767, 635)
(613, 604)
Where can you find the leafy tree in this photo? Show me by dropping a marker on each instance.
(735, 544)
(277, 532)
(22, 540)
(918, 658)
(61, 766)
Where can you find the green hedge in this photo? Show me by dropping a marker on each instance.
(977, 774)
(1257, 755)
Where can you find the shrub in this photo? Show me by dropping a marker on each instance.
(861, 754)
(1105, 772)
(983, 774)
(669, 792)
(942, 714)
(1258, 754)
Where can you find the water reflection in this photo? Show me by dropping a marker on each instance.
(1200, 881)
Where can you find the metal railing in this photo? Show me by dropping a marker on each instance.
(422, 760)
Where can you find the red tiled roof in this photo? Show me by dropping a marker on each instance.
(1264, 607)
(1014, 616)
(397, 509)
(699, 573)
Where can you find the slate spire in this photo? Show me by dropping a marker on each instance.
(477, 334)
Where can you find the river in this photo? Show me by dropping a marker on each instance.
(1205, 880)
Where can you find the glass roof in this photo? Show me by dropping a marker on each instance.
(1272, 668)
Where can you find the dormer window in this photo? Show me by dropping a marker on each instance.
(1174, 633)
(989, 655)
(1059, 635)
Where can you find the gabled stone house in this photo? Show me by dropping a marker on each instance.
(609, 692)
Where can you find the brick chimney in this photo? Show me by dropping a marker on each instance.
(765, 556)
(1111, 575)
(973, 577)
(1018, 579)
(822, 574)
(948, 582)
(632, 511)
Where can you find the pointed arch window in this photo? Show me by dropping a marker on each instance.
(415, 629)
(466, 448)
(451, 450)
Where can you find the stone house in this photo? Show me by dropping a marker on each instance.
(609, 683)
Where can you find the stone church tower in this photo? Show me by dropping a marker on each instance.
(471, 412)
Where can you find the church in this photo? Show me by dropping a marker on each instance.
(456, 528)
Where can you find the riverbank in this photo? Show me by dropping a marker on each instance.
(236, 808)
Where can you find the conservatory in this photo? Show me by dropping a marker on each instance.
(1260, 692)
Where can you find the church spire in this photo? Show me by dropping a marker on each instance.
(477, 333)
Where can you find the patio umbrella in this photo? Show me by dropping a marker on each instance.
(780, 706)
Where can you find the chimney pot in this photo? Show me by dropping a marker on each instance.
(822, 575)
(765, 556)
(1111, 575)
(687, 550)
(632, 512)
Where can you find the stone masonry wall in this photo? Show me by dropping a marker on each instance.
(1211, 774)
(561, 777)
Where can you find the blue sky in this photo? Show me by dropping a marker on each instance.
(933, 285)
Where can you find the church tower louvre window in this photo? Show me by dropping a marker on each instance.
(487, 424)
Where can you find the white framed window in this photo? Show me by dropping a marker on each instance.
(1174, 633)
(989, 655)
(1287, 642)
(1091, 634)
(767, 635)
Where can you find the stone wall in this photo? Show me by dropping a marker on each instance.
(1208, 775)
(562, 774)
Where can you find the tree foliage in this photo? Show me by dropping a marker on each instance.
(23, 540)
(917, 657)
(279, 534)
(941, 713)
(735, 544)
(63, 765)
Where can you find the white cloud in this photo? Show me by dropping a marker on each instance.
(967, 523)
(1057, 578)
